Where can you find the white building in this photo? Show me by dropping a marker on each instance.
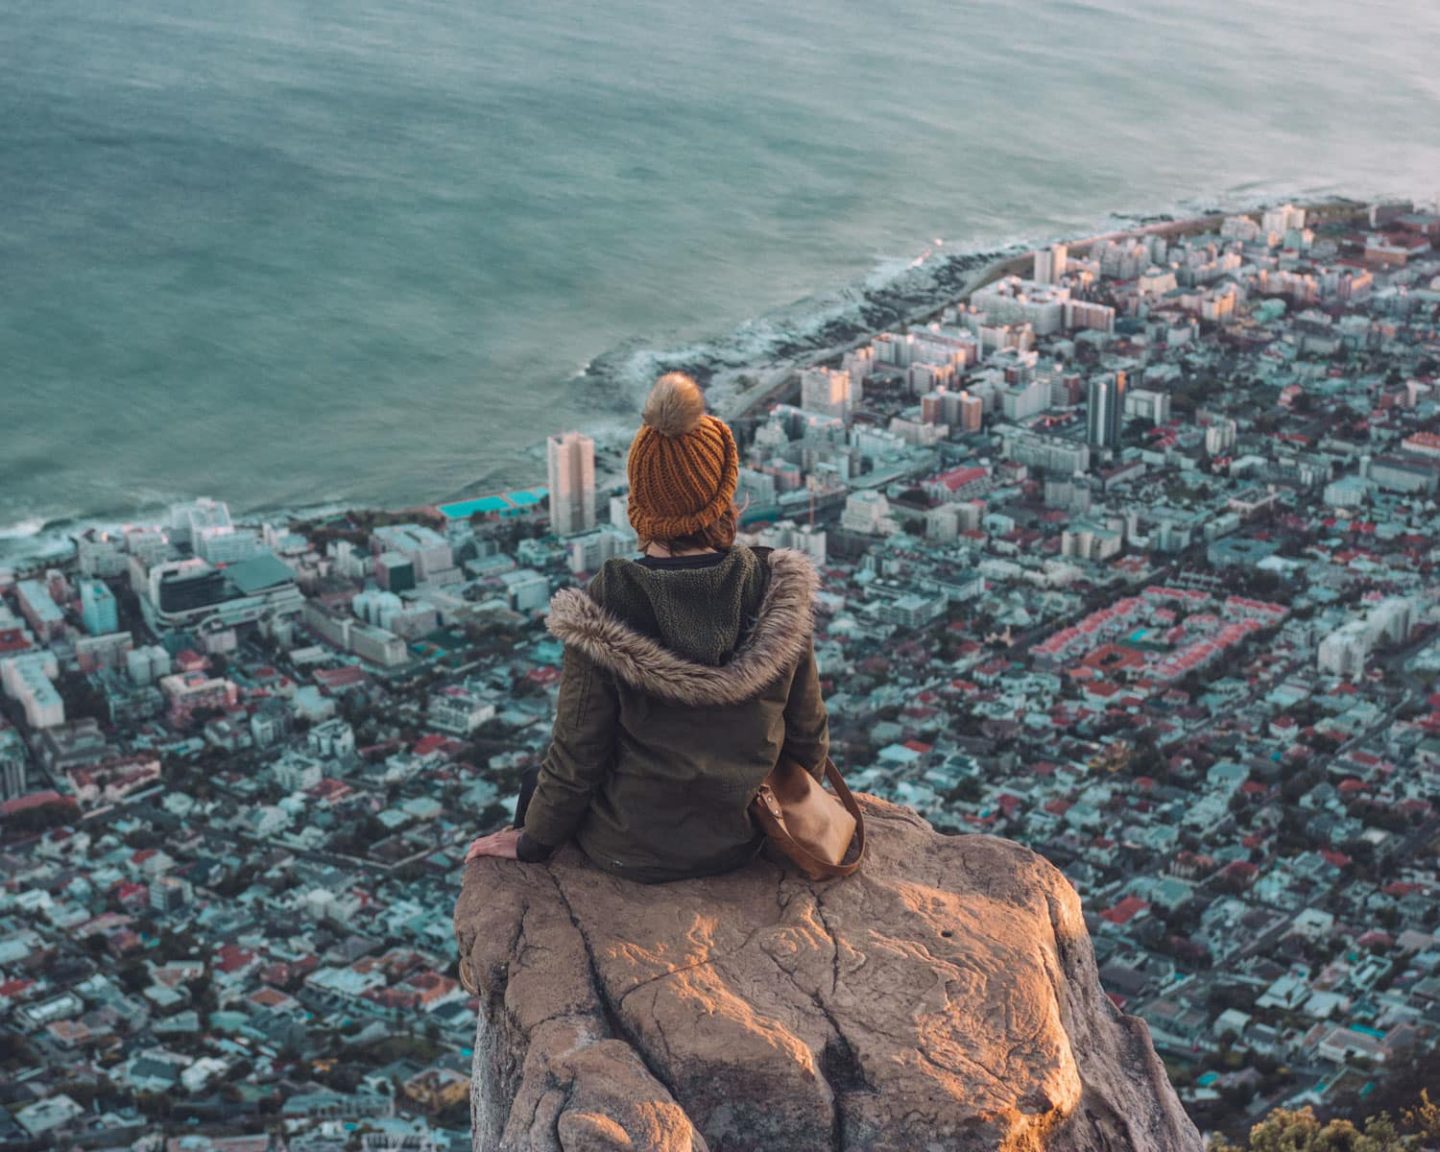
(1277, 221)
(267, 821)
(147, 545)
(225, 544)
(526, 590)
(378, 646)
(589, 550)
(39, 609)
(1085, 540)
(1390, 620)
(1220, 435)
(428, 550)
(1087, 314)
(868, 513)
(333, 738)
(27, 680)
(459, 710)
(188, 520)
(805, 538)
(1148, 404)
(1012, 300)
(1051, 263)
(858, 363)
(1021, 401)
(570, 462)
(147, 665)
(1045, 452)
(297, 771)
(1349, 492)
(1156, 281)
(100, 553)
(1344, 651)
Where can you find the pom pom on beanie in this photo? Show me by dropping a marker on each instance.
(675, 405)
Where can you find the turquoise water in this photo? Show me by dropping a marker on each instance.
(287, 253)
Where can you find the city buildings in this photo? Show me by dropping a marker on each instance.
(1179, 634)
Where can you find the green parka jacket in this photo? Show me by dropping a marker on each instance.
(678, 691)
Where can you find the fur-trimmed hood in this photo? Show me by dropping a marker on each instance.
(777, 640)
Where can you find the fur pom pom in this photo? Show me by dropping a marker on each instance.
(675, 405)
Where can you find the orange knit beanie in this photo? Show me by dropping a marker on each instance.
(683, 465)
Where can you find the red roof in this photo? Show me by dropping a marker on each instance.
(346, 677)
(1124, 911)
(12, 640)
(34, 800)
(328, 789)
(957, 478)
(232, 958)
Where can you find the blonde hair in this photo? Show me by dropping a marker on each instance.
(719, 534)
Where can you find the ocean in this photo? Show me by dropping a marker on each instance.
(299, 253)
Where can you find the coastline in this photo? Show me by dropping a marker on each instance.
(734, 384)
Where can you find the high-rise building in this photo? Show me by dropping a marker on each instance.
(97, 608)
(13, 755)
(828, 392)
(972, 410)
(570, 458)
(1278, 221)
(1050, 264)
(1105, 407)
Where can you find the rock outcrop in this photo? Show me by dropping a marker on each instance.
(944, 998)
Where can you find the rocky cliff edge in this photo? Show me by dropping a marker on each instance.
(946, 998)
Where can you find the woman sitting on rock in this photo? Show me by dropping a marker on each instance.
(686, 672)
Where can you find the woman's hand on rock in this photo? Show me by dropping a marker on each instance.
(502, 844)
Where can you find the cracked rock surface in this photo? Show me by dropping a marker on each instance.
(946, 997)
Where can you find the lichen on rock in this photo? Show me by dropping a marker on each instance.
(944, 998)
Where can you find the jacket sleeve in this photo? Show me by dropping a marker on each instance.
(581, 749)
(807, 724)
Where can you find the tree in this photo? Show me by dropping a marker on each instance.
(1300, 1130)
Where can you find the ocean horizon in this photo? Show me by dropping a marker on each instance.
(368, 255)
